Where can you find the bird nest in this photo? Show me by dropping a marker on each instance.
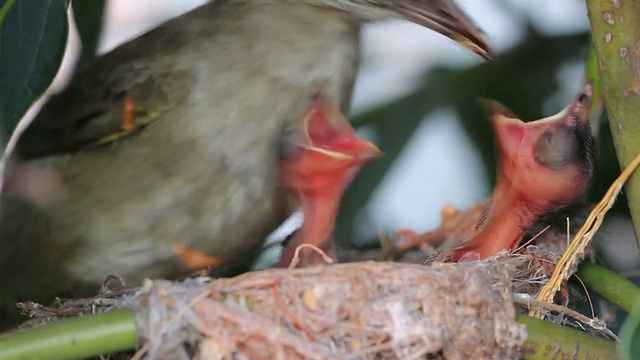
(359, 310)
(367, 310)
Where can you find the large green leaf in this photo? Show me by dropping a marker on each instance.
(89, 18)
(33, 36)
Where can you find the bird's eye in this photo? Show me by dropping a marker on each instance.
(557, 147)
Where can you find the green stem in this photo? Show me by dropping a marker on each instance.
(80, 337)
(550, 341)
(616, 36)
(611, 286)
(93, 335)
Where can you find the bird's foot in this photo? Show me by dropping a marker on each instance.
(194, 259)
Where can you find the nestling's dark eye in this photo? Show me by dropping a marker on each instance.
(566, 145)
(557, 147)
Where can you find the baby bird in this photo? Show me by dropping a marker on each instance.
(543, 166)
(319, 158)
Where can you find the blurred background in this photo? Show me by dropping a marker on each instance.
(415, 97)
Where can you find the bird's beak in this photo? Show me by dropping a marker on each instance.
(354, 147)
(508, 129)
(325, 147)
(446, 18)
(365, 150)
(328, 132)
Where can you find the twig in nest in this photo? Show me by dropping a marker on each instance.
(599, 325)
(532, 239)
(107, 286)
(290, 315)
(296, 255)
(143, 350)
(575, 251)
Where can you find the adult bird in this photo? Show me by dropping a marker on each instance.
(171, 139)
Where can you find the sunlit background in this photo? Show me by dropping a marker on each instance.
(439, 165)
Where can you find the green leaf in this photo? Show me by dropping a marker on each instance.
(5, 9)
(630, 333)
(89, 18)
(33, 36)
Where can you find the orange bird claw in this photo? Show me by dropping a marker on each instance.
(193, 259)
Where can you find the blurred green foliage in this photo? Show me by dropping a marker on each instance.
(33, 36)
(89, 18)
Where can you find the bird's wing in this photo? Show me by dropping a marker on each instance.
(77, 118)
(122, 90)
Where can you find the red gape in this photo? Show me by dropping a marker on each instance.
(318, 161)
(543, 166)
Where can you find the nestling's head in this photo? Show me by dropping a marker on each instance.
(543, 166)
(324, 151)
(549, 160)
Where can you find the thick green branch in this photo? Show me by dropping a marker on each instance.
(610, 285)
(76, 338)
(550, 341)
(93, 335)
(616, 35)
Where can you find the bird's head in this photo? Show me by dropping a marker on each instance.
(442, 16)
(551, 160)
(543, 166)
(323, 152)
